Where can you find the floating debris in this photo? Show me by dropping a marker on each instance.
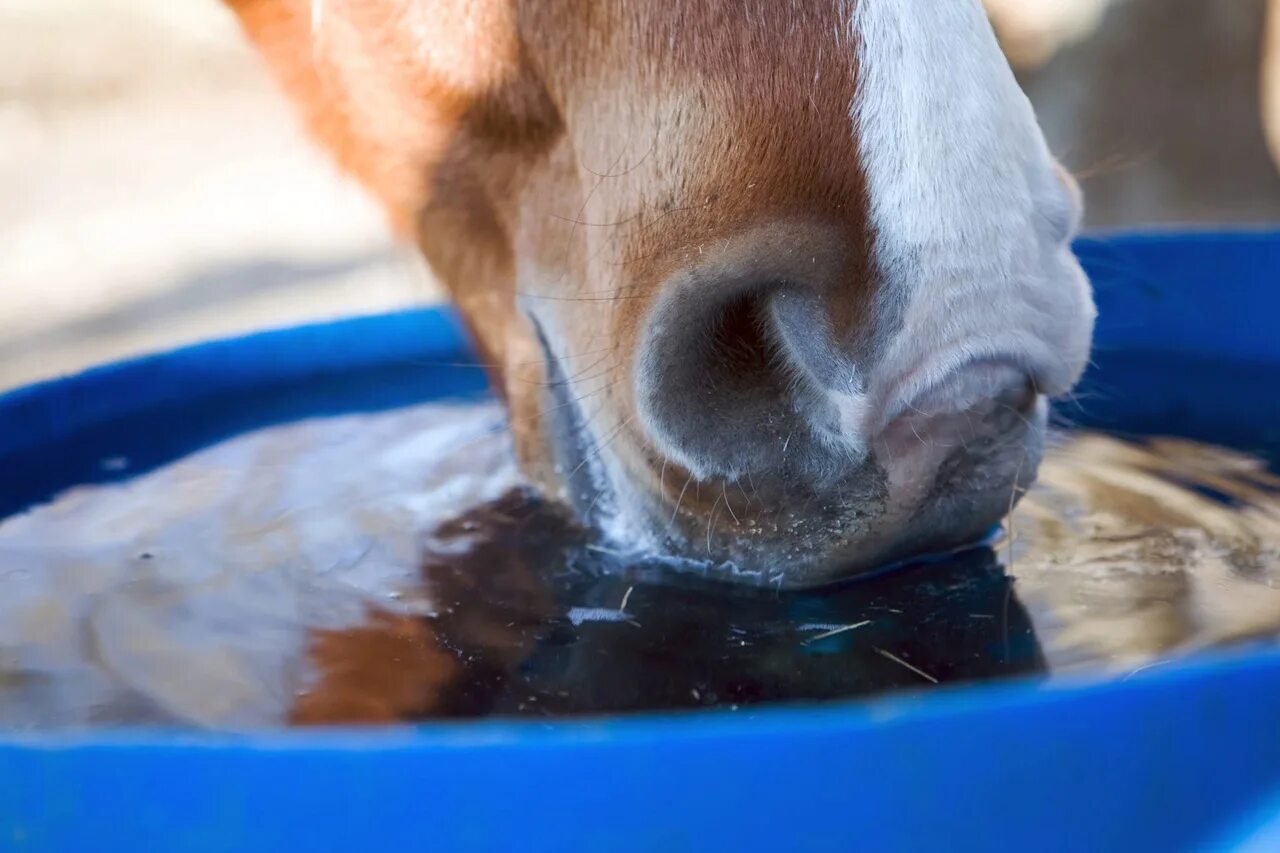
(917, 670)
(579, 615)
(834, 631)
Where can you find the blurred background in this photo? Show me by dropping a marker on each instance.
(155, 189)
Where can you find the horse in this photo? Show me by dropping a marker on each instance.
(785, 286)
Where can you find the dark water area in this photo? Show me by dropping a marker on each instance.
(536, 620)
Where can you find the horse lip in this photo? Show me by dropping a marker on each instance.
(566, 433)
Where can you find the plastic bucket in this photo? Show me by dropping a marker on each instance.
(1183, 755)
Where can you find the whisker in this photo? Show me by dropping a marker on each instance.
(1008, 592)
(588, 377)
(613, 224)
(621, 297)
(582, 375)
(580, 398)
(652, 144)
(592, 506)
(724, 494)
(600, 447)
(711, 517)
(680, 500)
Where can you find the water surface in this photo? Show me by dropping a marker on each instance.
(389, 567)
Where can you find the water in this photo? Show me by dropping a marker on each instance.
(383, 568)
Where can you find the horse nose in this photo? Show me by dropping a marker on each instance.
(762, 358)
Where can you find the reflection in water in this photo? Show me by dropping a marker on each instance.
(532, 618)
(304, 574)
(1128, 552)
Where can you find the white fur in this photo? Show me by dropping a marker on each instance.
(971, 218)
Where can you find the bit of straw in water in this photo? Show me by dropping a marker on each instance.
(600, 549)
(622, 608)
(917, 670)
(835, 631)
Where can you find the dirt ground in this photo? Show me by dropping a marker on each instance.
(154, 189)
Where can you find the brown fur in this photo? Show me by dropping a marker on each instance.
(603, 145)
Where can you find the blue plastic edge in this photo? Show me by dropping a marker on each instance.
(1166, 760)
(47, 410)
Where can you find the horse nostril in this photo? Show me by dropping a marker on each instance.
(738, 351)
(739, 357)
(713, 386)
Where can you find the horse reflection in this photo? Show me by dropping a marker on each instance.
(532, 617)
(1126, 553)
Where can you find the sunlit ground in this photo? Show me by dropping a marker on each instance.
(155, 190)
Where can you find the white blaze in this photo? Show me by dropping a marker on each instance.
(970, 219)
